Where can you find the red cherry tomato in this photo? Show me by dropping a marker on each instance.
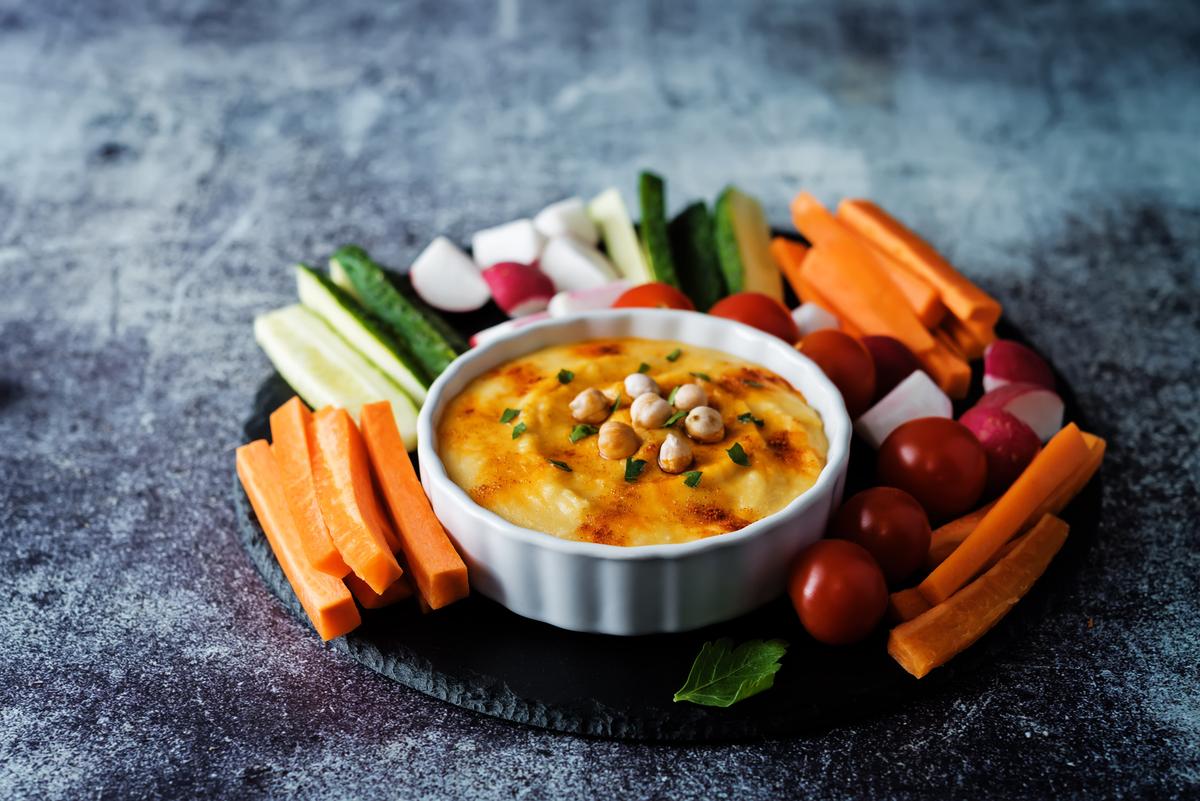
(847, 363)
(838, 591)
(654, 296)
(891, 525)
(894, 362)
(937, 461)
(760, 311)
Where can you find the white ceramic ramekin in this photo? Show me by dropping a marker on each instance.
(612, 589)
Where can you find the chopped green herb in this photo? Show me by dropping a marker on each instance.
(582, 431)
(671, 397)
(633, 468)
(692, 477)
(616, 404)
(749, 383)
(673, 355)
(737, 454)
(748, 417)
(509, 415)
(563, 466)
(643, 368)
(675, 418)
(565, 376)
(723, 675)
(701, 376)
(518, 430)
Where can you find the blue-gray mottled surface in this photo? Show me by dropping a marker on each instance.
(160, 168)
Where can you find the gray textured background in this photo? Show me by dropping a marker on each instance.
(159, 169)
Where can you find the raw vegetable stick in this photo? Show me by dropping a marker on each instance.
(1061, 457)
(325, 599)
(906, 604)
(437, 569)
(369, 599)
(970, 346)
(789, 255)
(343, 480)
(949, 536)
(922, 298)
(291, 427)
(970, 304)
(935, 637)
(949, 370)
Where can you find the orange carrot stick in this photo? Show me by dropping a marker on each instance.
(922, 298)
(342, 477)
(968, 343)
(1061, 457)
(789, 256)
(290, 432)
(949, 536)
(906, 604)
(436, 567)
(324, 598)
(369, 599)
(950, 371)
(935, 637)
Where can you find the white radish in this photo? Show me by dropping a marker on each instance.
(810, 317)
(1008, 362)
(570, 264)
(1035, 406)
(519, 289)
(913, 398)
(515, 241)
(446, 278)
(567, 218)
(500, 329)
(582, 300)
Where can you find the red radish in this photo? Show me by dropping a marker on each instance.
(915, 397)
(810, 317)
(519, 289)
(894, 362)
(570, 264)
(1008, 362)
(581, 300)
(567, 218)
(488, 334)
(1009, 444)
(1035, 406)
(515, 241)
(446, 278)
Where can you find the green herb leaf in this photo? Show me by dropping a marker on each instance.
(616, 404)
(643, 368)
(633, 468)
(675, 418)
(582, 431)
(737, 454)
(701, 376)
(749, 383)
(722, 675)
(563, 466)
(509, 415)
(748, 417)
(692, 477)
(565, 376)
(518, 430)
(673, 355)
(671, 397)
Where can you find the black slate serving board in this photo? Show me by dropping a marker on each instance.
(479, 656)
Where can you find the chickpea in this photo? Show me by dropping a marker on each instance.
(704, 424)
(618, 440)
(675, 455)
(638, 384)
(590, 406)
(649, 411)
(689, 396)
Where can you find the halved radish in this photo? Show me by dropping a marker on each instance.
(581, 300)
(516, 241)
(570, 264)
(488, 334)
(1008, 362)
(1010, 445)
(519, 289)
(894, 362)
(446, 278)
(567, 218)
(810, 317)
(913, 398)
(1037, 407)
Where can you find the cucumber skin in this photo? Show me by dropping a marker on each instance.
(373, 325)
(655, 241)
(694, 244)
(430, 338)
(729, 256)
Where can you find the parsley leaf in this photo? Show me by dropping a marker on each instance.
(737, 454)
(643, 368)
(701, 376)
(616, 404)
(633, 468)
(518, 430)
(675, 418)
(692, 477)
(673, 355)
(509, 415)
(563, 466)
(671, 397)
(722, 675)
(749, 383)
(565, 376)
(582, 431)
(748, 417)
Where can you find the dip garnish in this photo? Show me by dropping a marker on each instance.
(750, 383)
(671, 397)
(565, 376)
(616, 404)
(509, 415)
(675, 418)
(563, 466)
(737, 455)
(633, 468)
(701, 376)
(673, 355)
(748, 417)
(692, 477)
(518, 430)
(643, 368)
(582, 431)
